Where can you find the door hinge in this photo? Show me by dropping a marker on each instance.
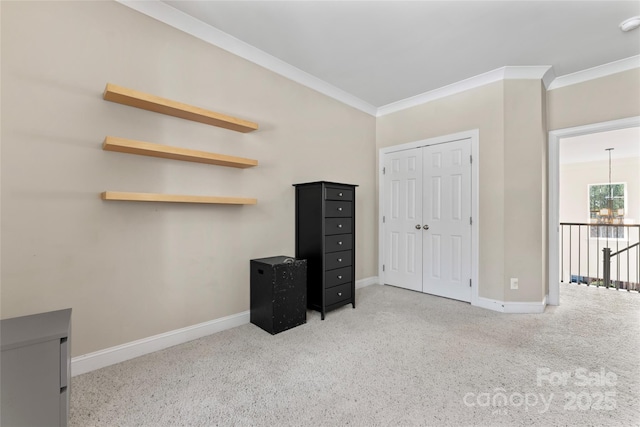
(469, 282)
(383, 219)
(470, 220)
(470, 158)
(382, 267)
(384, 171)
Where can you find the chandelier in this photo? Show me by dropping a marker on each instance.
(609, 215)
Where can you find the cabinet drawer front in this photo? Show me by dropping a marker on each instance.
(338, 209)
(338, 194)
(337, 226)
(337, 277)
(337, 259)
(338, 293)
(340, 242)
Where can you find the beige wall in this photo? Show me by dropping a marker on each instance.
(545, 198)
(607, 98)
(132, 270)
(481, 108)
(525, 250)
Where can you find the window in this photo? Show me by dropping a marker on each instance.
(607, 207)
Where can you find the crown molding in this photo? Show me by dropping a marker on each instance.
(190, 25)
(518, 72)
(548, 78)
(596, 72)
(452, 89)
(538, 72)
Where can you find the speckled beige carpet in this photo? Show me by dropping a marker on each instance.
(399, 358)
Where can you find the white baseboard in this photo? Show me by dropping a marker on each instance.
(367, 282)
(511, 306)
(109, 356)
(525, 307)
(489, 304)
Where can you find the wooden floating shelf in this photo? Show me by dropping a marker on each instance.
(130, 146)
(175, 198)
(157, 104)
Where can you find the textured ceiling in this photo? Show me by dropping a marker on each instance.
(383, 52)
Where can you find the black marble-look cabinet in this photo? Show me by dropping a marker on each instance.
(278, 297)
(325, 237)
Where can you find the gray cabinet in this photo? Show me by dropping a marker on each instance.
(35, 369)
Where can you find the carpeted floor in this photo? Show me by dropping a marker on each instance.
(400, 358)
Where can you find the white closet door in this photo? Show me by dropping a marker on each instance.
(403, 219)
(446, 217)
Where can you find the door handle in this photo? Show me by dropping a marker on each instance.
(426, 227)
(418, 227)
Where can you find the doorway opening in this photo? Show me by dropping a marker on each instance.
(593, 221)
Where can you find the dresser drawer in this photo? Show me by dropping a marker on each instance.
(337, 294)
(338, 209)
(337, 260)
(338, 194)
(337, 226)
(340, 242)
(337, 277)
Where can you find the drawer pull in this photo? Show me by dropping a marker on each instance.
(339, 225)
(340, 194)
(340, 243)
(339, 259)
(339, 277)
(339, 294)
(339, 209)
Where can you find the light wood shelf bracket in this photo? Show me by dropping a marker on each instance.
(129, 146)
(175, 198)
(157, 104)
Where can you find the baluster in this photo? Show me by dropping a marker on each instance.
(598, 256)
(588, 256)
(579, 253)
(570, 248)
(628, 232)
(617, 258)
(561, 253)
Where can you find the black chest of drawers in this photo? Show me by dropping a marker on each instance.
(325, 237)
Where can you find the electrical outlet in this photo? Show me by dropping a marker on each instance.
(514, 283)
